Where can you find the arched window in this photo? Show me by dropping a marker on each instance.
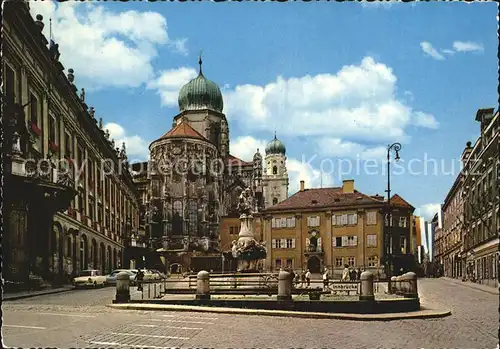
(68, 246)
(193, 216)
(275, 201)
(177, 218)
(275, 170)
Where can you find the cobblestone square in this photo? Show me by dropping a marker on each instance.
(81, 319)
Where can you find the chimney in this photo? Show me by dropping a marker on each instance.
(301, 185)
(348, 186)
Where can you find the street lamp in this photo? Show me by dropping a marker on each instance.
(396, 147)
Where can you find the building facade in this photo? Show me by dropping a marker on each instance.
(69, 196)
(194, 183)
(481, 202)
(324, 228)
(451, 236)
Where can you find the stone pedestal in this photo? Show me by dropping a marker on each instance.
(366, 291)
(122, 288)
(246, 249)
(284, 286)
(203, 285)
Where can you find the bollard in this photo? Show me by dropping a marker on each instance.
(122, 288)
(366, 292)
(392, 285)
(284, 286)
(203, 285)
(411, 281)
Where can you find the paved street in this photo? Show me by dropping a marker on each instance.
(80, 319)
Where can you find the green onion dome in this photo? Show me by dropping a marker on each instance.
(200, 93)
(275, 147)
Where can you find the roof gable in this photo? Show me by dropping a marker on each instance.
(397, 200)
(183, 130)
(324, 197)
(233, 160)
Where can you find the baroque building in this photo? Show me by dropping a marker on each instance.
(325, 228)
(69, 198)
(480, 190)
(193, 181)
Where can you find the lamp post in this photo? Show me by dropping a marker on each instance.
(396, 147)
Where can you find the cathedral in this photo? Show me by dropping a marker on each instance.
(194, 182)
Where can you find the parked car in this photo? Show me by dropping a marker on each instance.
(111, 278)
(89, 278)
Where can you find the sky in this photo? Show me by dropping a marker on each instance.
(338, 82)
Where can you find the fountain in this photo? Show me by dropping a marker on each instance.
(246, 249)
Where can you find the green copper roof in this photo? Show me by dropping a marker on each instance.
(275, 147)
(200, 93)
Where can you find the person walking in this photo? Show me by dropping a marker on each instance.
(302, 278)
(325, 280)
(345, 273)
(139, 278)
(308, 278)
(358, 274)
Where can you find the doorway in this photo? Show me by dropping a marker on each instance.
(314, 265)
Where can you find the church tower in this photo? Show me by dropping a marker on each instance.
(201, 106)
(275, 178)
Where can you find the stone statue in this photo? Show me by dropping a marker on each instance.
(91, 111)
(245, 203)
(82, 95)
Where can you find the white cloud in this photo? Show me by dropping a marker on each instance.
(338, 148)
(431, 51)
(137, 147)
(358, 102)
(378, 4)
(104, 48)
(467, 46)
(449, 52)
(302, 171)
(169, 82)
(245, 147)
(425, 120)
(427, 211)
(179, 46)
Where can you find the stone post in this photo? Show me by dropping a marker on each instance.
(392, 285)
(366, 292)
(203, 285)
(284, 286)
(411, 290)
(122, 288)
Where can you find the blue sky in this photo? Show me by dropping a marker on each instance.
(338, 81)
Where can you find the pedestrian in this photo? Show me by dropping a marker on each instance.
(297, 279)
(325, 280)
(139, 278)
(292, 276)
(345, 273)
(302, 278)
(308, 278)
(358, 274)
(352, 274)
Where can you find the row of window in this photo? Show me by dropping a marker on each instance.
(402, 222)
(119, 204)
(283, 243)
(337, 220)
(337, 241)
(351, 261)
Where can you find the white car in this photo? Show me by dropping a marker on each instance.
(111, 278)
(90, 278)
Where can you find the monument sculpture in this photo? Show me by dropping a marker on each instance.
(246, 249)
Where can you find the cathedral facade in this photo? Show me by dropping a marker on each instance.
(194, 182)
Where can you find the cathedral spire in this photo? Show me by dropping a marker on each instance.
(200, 62)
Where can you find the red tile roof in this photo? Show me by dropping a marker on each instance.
(183, 130)
(323, 197)
(398, 201)
(234, 161)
